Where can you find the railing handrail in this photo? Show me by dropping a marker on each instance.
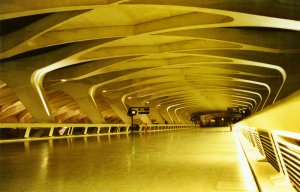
(53, 130)
(289, 141)
(47, 125)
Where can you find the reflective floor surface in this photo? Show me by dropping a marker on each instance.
(190, 160)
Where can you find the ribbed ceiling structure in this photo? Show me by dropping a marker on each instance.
(88, 60)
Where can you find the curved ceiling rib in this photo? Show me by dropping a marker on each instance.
(86, 61)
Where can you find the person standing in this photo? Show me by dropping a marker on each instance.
(145, 128)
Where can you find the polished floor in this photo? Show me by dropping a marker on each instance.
(189, 160)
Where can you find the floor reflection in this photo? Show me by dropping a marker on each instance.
(166, 161)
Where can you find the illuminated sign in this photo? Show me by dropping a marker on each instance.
(241, 110)
(233, 109)
(138, 110)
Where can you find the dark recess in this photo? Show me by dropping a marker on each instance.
(35, 52)
(11, 25)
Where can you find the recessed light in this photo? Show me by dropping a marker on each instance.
(104, 91)
(63, 80)
(129, 97)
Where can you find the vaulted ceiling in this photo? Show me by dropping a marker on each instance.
(87, 61)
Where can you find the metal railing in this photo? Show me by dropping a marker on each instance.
(9, 131)
(288, 145)
(280, 148)
(269, 150)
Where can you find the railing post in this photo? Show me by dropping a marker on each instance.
(98, 131)
(85, 130)
(72, 129)
(127, 128)
(27, 132)
(51, 131)
(109, 128)
(69, 130)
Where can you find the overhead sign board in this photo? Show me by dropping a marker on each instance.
(241, 110)
(138, 110)
(141, 110)
(233, 109)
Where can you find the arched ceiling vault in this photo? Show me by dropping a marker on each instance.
(86, 61)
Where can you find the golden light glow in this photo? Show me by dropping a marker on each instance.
(37, 77)
(63, 80)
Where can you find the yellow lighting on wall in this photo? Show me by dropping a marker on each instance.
(36, 78)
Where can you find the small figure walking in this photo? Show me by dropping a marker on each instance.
(145, 128)
(230, 125)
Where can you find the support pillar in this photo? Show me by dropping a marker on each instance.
(80, 93)
(119, 109)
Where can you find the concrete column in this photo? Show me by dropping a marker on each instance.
(155, 114)
(36, 105)
(165, 115)
(145, 118)
(182, 116)
(119, 109)
(174, 116)
(80, 93)
(35, 102)
(186, 118)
